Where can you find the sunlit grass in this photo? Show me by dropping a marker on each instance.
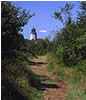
(77, 80)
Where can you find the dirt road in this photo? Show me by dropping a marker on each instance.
(55, 87)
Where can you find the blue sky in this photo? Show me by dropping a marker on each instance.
(43, 19)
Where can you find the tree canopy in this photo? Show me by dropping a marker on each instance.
(13, 20)
(71, 48)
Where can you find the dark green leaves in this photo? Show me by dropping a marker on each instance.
(13, 18)
(64, 15)
(67, 8)
(71, 40)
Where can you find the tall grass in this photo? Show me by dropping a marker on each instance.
(73, 76)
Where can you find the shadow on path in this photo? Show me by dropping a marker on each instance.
(43, 84)
(36, 63)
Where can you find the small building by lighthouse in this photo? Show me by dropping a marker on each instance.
(33, 34)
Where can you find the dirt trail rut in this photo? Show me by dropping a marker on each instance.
(56, 91)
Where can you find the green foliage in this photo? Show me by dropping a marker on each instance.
(12, 22)
(12, 19)
(17, 81)
(81, 19)
(28, 47)
(42, 47)
(67, 14)
(69, 46)
(71, 40)
(69, 57)
(59, 52)
(75, 78)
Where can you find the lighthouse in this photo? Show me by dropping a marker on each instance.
(33, 34)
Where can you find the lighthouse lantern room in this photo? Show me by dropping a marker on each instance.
(33, 34)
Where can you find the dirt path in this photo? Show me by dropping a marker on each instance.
(56, 90)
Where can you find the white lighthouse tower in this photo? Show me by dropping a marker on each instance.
(33, 34)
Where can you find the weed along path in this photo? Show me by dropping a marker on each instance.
(54, 87)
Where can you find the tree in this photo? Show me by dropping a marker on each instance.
(65, 14)
(12, 19)
(81, 19)
(12, 23)
(71, 48)
(41, 47)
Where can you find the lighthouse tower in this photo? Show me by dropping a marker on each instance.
(33, 34)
